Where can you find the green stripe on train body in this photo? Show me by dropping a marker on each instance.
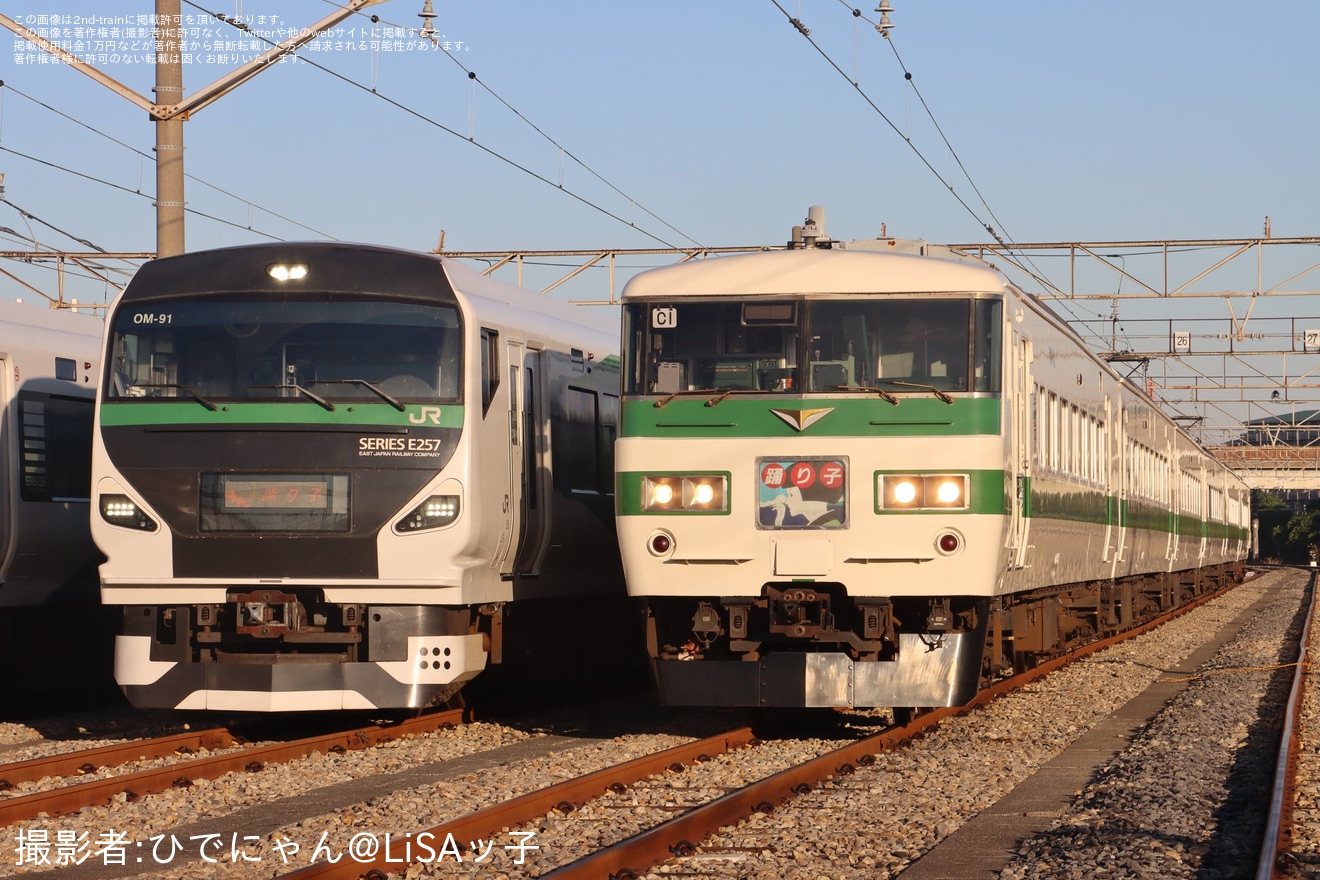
(852, 416)
(986, 489)
(191, 412)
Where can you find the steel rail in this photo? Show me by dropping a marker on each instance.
(90, 760)
(562, 796)
(1278, 819)
(72, 798)
(631, 858)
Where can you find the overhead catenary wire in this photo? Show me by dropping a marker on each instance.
(564, 151)
(806, 35)
(916, 90)
(130, 191)
(5, 86)
(417, 114)
(69, 235)
(999, 234)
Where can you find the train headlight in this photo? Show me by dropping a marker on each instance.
(433, 513)
(946, 491)
(898, 492)
(120, 510)
(923, 491)
(707, 492)
(287, 271)
(661, 493)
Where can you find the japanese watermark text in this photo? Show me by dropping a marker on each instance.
(200, 39)
(36, 847)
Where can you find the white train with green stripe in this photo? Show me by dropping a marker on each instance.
(331, 476)
(859, 475)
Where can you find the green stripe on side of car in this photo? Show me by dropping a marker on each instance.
(191, 412)
(772, 417)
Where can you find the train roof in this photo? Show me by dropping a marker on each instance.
(539, 315)
(815, 271)
(342, 267)
(60, 320)
(347, 268)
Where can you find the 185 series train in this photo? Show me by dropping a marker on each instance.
(849, 475)
(325, 475)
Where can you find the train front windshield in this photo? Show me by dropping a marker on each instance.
(797, 346)
(240, 349)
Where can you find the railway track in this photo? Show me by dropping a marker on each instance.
(752, 817)
(840, 806)
(1291, 846)
(191, 756)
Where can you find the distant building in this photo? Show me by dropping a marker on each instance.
(1295, 429)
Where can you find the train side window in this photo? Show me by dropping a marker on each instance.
(57, 447)
(988, 345)
(579, 434)
(490, 367)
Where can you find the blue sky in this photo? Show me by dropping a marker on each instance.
(719, 121)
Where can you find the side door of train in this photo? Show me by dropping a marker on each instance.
(521, 439)
(1021, 449)
(503, 443)
(1116, 483)
(534, 477)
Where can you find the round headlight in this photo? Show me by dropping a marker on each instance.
(948, 492)
(905, 492)
(704, 493)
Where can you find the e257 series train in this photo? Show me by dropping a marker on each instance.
(48, 371)
(325, 474)
(852, 476)
(52, 623)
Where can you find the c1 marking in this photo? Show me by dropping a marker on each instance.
(664, 317)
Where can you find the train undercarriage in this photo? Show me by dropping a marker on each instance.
(289, 644)
(814, 645)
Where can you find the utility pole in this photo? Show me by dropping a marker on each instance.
(170, 204)
(171, 109)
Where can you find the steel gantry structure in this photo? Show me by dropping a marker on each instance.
(1223, 333)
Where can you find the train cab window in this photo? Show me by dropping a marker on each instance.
(895, 342)
(945, 344)
(314, 352)
(723, 346)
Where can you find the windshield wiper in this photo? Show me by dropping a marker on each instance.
(318, 398)
(884, 395)
(931, 388)
(193, 394)
(375, 389)
(727, 391)
(719, 395)
(676, 394)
